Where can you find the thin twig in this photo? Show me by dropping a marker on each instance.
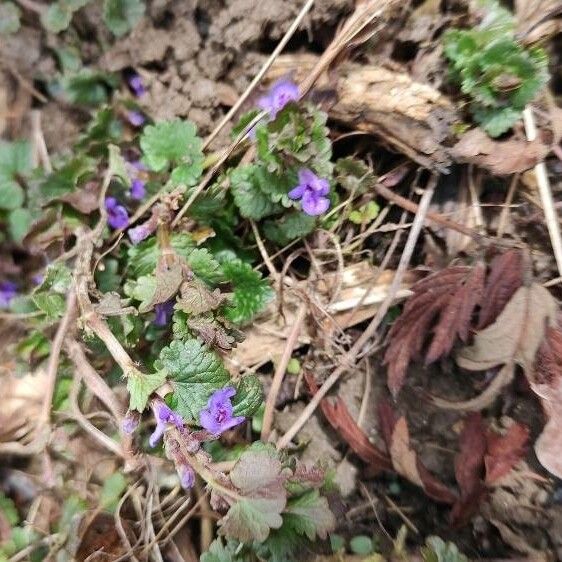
(93, 380)
(547, 201)
(348, 361)
(265, 256)
(504, 215)
(438, 219)
(54, 356)
(280, 371)
(103, 439)
(266, 66)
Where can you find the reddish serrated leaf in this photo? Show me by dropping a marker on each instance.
(341, 420)
(448, 299)
(504, 451)
(469, 468)
(455, 319)
(504, 278)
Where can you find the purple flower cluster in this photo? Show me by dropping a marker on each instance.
(218, 416)
(117, 216)
(312, 191)
(8, 291)
(138, 185)
(280, 94)
(135, 118)
(163, 313)
(136, 84)
(164, 415)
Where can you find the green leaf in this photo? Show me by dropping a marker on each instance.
(58, 278)
(187, 174)
(354, 175)
(8, 508)
(365, 214)
(66, 178)
(361, 544)
(259, 478)
(11, 195)
(103, 129)
(437, 550)
(291, 226)
(312, 515)
(496, 121)
(171, 142)
(249, 198)
(143, 257)
(252, 293)
(205, 266)
(141, 386)
(248, 397)
(88, 87)
(112, 490)
(219, 552)
(56, 19)
(121, 16)
(15, 160)
(117, 164)
(143, 290)
(19, 221)
(53, 305)
(9, 18)
(195, 372)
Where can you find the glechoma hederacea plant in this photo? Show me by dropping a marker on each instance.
(166, 307)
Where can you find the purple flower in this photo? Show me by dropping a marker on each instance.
(163, 313)
(279, 95)
(136, 118)
(130, 421)
(139, 233)
(138, 189)
(38, 278)
(187, 476)
(8, 291)
(117, 215)
(312, 191)
(136, 84)
(164, 416)
(217, 417)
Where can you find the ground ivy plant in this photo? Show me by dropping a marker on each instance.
(160, 304)
(498, 74)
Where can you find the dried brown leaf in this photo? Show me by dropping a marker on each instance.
(407, 463)
(170, 272)
(469, 468)
(504, 451)
(86, 199)
(516, 334)
(341, 420)
(500, 157)
(196, 298)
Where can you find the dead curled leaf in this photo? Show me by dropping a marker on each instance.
(484, 458)
(547, 384)
(340, 419)
(406, 461)
(500, 157)
(400, 456)
(516, 334)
